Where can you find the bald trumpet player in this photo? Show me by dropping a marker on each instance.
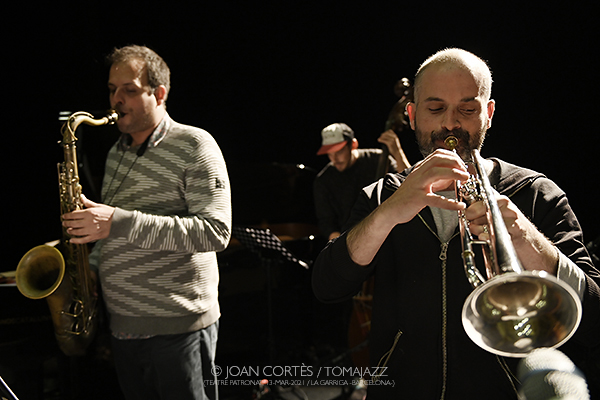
(405, 234)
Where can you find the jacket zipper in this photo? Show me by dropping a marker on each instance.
(443, 257)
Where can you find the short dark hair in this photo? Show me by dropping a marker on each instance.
(158, 70)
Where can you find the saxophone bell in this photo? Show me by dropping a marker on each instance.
(40, 272)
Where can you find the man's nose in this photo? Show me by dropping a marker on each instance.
(116, 98)
(451, 120)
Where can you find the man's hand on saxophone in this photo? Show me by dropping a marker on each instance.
(89, 224)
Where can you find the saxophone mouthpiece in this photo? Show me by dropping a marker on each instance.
(113, 116)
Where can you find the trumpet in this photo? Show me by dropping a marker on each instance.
(513, 311)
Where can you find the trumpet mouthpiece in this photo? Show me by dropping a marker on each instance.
(451, 142)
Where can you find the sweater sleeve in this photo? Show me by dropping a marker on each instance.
(207, 195)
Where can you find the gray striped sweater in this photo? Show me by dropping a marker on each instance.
(158, 267)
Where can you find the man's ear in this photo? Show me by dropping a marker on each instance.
(411, 109)
(161, 95)
(491, 107)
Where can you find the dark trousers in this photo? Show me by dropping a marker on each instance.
(177, 367)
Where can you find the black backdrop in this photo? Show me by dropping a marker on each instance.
(264, 79)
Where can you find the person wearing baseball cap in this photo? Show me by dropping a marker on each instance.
(350, 169)
(335, 137)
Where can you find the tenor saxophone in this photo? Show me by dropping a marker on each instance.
(63, 277)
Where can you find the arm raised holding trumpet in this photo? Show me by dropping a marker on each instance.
(419, 231)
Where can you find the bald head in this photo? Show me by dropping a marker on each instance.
(458, 59)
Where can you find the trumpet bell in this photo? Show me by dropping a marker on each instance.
(515, 313)
(40, 272)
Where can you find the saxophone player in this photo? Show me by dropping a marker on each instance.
(165, 212)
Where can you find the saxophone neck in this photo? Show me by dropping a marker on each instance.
(82, 117)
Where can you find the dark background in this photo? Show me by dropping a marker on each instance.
(264, 78)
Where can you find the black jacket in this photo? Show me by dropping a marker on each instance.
(335, 192)
(408, 294)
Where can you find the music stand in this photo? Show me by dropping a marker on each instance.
(263, 241)
(270, 250)
(5, 390)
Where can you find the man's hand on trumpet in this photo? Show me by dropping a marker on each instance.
(534, 250)
(435, 173)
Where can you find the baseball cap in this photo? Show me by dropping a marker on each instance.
(335, 137)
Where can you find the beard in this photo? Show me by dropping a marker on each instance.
(428, 143)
